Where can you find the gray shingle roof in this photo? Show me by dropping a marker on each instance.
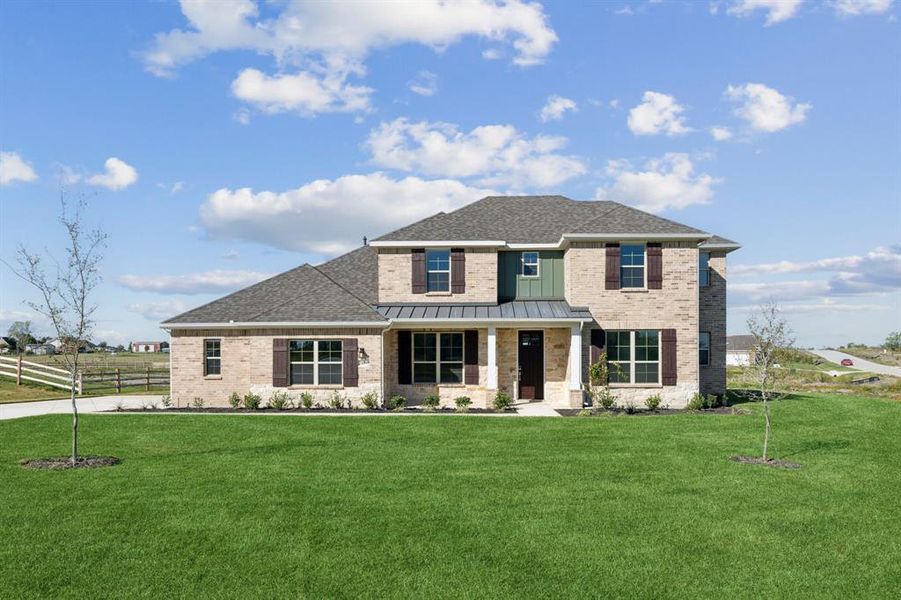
(720, 242)
(517, 309)
(357, 272)
(535, 219)
(300, 295)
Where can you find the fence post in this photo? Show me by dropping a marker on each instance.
(118, 381)
(80, 383)
(148, 380)
(19, 370)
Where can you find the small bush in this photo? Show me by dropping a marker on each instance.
(166, 400)
(397, 403)
(197, 402)
(431, 402)
(306, 400)
(337, 401)
(252, 401)
(696, 403)
(585, 413)
(370, 400)
(234, 400)
(630, 408)
(502, 401)
(280, 401)
(462, 403)
(653, 402)
(712, 401)
(605, 399)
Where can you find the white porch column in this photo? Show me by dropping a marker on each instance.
(491, 384)
(575, 358)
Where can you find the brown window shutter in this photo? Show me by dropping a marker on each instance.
(419, 271)
(203, 347)
(598, 339)
(655, 266)
(404, 357)
(349, 360)
(471, 357)
(458, 271)
(668, 367)
(279, 363)
(611, 268)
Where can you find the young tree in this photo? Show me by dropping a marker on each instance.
(893, 341)
(65, 295)
(21, 331)
(771, 334)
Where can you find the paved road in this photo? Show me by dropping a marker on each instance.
(859, 363)
(18, 410)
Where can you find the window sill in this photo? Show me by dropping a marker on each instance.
(316, 387)
(634, 290)
(446, 385)
(212, 377)
(633, 386)
(439, 294)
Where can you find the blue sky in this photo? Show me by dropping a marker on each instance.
(220, 143)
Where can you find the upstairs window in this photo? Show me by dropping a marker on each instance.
(437, 358)
(212, 357)
(704, 269)
(437, 265)
(530, 264)
(704, 348)
(632, 266)
(316, 362)
(634, 356)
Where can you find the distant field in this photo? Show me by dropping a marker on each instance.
(104, 360)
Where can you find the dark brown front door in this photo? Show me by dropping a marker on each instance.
(531, 365)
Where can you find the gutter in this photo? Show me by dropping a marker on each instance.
(564, 240)
(275, 324)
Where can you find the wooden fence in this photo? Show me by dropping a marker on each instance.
(88, 381)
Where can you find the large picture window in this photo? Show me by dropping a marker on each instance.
(634, 356)
(212, 357)
(316, 362)
(704, 348)
(632, 266)
(437, 265)
(437, 358)
(704, 269)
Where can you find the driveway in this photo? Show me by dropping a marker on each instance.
(18, 410)
(859, 363)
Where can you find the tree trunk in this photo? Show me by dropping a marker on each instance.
(766, 433)
(74, 421)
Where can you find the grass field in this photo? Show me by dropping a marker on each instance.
(105, 360)
(443, 506)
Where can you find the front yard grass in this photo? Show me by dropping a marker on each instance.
(444, 506)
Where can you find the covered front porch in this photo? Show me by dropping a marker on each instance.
(533, 354)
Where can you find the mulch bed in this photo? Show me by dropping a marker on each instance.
(58, 463)
(324, 411)
(757, 460)
(720, 410)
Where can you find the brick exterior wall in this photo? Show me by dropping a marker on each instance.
(396, 275)
(247, 364)
(713, 319)
(675, 306)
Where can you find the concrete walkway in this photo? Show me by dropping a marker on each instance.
(535, 409)
(859, 363)
(17, 410)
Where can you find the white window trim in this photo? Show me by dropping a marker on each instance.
(701, 269)
(632, 362)
(450, 268)
(522, 264)
(644, 265)
(709, 343)
(437, 361)
(315, 362)
(206, 359)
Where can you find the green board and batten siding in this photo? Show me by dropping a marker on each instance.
(513, 286)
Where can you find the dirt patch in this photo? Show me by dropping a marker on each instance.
(58, 463)
(772, 462)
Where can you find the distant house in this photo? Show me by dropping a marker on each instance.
(148, 346)
(7, 345)
(40, 349)
(83, 347)
(738, 350)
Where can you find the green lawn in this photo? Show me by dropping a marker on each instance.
(283, 506)
(27, 392)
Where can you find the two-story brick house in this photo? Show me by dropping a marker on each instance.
(513, 294)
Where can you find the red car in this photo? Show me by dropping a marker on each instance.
(847, 362)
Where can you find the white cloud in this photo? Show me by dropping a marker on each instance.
(494, 154)
(232, 255)
(14, 168)
(556, 107)
(825, 305)
(118, 175)
(157, 311)
(304, 92)
(881, 261)
(854, 8)
(242, 116)
(177, 187)
(425, 85)
(324, 42)
(208, 282)
(666, 183)
(492, 54)
(721, 134)
(657, 113)
(765, 109)
(777, 10)
(330, 216)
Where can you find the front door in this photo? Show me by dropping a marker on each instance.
(531, 365)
